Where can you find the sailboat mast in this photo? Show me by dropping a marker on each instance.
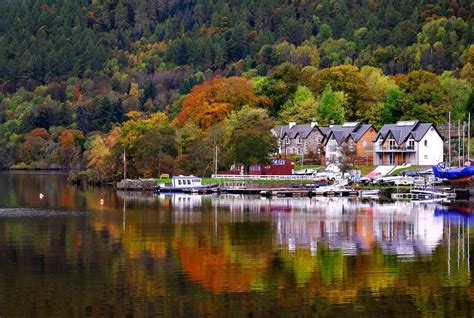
(449, 139)
(463, 143)
(459, 143)
(469, 137)
(215, 162)
(124, 164)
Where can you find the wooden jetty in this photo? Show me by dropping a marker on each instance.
(298, 192)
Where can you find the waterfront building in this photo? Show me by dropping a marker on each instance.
(303, 140)
(352, 142)
(419, 144)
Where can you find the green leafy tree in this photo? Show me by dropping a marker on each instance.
(301, 108)
(250, 139)
(458, 92)
(425, 98)
(392, 110)
(331, 108)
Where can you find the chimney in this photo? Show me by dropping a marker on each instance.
(291, 124)
(314, 123)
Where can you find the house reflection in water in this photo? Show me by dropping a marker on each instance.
(402, 228)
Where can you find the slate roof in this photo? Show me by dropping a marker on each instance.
(302, 130)
(342, 132)
(401, 132)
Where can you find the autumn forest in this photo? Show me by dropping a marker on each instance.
(168, 82)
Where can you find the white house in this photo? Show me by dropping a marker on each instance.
(419, 144)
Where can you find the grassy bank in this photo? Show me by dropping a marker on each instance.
(363, 169)
(215, 180)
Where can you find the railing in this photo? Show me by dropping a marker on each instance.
(394, 148)
(253, 177)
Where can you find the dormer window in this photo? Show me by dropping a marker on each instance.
(391, 143)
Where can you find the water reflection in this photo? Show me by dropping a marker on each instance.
(191, 255)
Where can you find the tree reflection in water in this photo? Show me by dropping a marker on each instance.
(186, 255)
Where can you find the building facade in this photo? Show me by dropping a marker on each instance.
(352, 142)
(303, 140)
(419, 144)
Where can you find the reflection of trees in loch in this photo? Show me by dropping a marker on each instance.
(191, 255)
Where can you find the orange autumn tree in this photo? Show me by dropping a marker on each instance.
(212, 101)
(34, 147)
(69, 146)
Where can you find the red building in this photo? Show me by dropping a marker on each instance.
(276, 167)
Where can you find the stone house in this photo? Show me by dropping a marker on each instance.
(304, 140)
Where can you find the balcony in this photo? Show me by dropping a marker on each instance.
(387, 148)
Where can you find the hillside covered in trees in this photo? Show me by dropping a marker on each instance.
(80, 81)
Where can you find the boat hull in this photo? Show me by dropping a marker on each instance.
(194, 189)
(462, 182)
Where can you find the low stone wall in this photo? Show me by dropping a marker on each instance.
(137, 185)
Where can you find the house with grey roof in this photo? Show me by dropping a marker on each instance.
(419, 144)
(304, 140)
(352, 141)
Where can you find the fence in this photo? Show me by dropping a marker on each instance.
(257, 177)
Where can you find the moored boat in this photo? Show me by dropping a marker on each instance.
(459, 177)
(425, 195)
(188, 184)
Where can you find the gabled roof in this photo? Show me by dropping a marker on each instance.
(297, 130)
(401, 131)
(345, 131)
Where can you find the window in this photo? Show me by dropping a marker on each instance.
(299, 141)
(391, 144)
(411, 144)
(391, 159)
(426, 143)
(287, 140)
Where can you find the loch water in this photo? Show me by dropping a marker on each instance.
(68, 255)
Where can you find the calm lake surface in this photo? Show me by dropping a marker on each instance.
(231, 256)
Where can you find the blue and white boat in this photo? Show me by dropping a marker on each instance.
(456, 176)
(187, 184)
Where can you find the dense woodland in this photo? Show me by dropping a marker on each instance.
(168, 81)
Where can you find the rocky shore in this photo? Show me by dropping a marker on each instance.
(137, 185)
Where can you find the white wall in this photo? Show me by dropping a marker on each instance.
(332, 144)
(431, 154)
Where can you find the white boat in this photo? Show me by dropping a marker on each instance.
(189, 184)
(425, 194)
(369, 194)
(338, 186)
